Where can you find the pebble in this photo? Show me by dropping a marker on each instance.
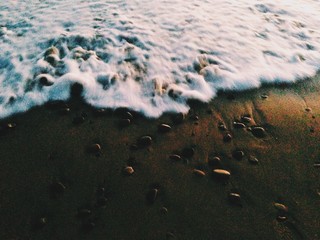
(308, 109)
(164, 128)
(222, 127)
(51, 50)
(281, 218)
(253, 160)
(214, 162)
(238, 125)
(227, 137)
(316, 165)
(221, 174)
(64, 111)
(281, 207)
(127, 115)
(45, 80)
(235, 199)
(128, 170)
(164, 210)
(152, 195)
(264, 96)
(144, 141)
(246, 119)
(238, 154)
(199, 173)
(124, 122)
(95, 148)
(258, 132)
(188, 152)
(175, 157)
(11, 125)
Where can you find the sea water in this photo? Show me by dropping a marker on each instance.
(151, 56)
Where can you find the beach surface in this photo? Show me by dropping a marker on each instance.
(65, 170)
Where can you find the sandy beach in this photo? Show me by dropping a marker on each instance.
(63, 170)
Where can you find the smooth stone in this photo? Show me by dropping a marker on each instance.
(11, 125)
(308, 109)
(253, 160)
(127, 115)
(102, 201)
(227, 138)
(198, 173)
(164, 210)
(246, 119)
(281, 207)
(144, 141)
(235, 199)
(164, 128)
(258, 132)
(45, 80)
(124, 122)
(175, 157)
(238, 154)
(264, 96)
(95, 148)
(128, 170)
(214, 162)
(221, 174)
(84, 213)
(152, 195)
(188, 152)
(51, 50)
(238, 125)
(53, 59)
(316, 165)
(222, 127)
(281, 218)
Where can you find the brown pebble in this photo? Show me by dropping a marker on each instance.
(238, 154)
(308, 109)
(164, 128)
(238, 125)
(152, 195)
(95, 148)
(221, 174)
(258, 132)
(227, 137)
(198, 172)
(128, 170)
(175, 157)
(281, 207)
(144, 141)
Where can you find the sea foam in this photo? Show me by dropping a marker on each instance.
(151, 56)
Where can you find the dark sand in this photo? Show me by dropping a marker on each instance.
(46, 147)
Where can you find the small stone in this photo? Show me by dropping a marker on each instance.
(64, 111)
(238, 154)
(227, 137)
(164, 128)
(95, 148)
(152, 195)
(281, 218)
(188, 152)
(235, 199)
(124, 122)
(194, 117)
(51, 50)
(222, 127)
(264, 96)
(128, 170)
(316, 165)
(127, 115)
(45, 80)
(52, 59)
(199, 173)
(221, 174)
(164, 210)
(214, 162)
(84, 213)
(175, 157)
(281, 207)
(246, 119)
(144, 141)
(258, 132)
(11, 125)
(308, 109)
(253, 160)
(238, 125)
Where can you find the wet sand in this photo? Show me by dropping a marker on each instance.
(55, 186)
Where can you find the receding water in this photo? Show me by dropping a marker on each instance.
(151, 55)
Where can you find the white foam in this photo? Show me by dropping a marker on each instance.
(152, 55)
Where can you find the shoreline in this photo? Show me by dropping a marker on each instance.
(48, 146)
